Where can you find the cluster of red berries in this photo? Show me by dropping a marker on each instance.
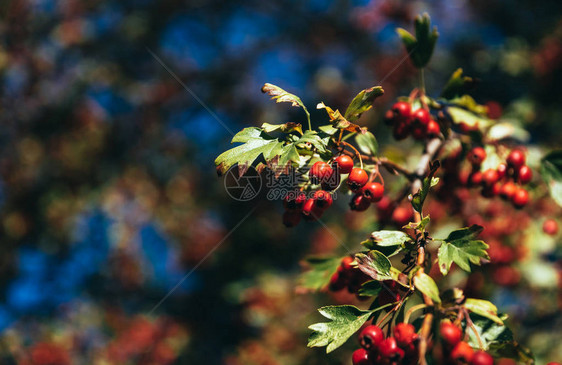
(404, 122)
(298, 205)
(398, 349)
(347, 276)
(503, 180)
(460, 352)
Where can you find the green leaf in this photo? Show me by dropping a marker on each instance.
(483, 308)
(551, 172)
(338, 121)
(511, 350)
(256, 144)
(367, 143)
(507, 130)
(328, 129)
(281, 96)
(468, 118)
(498, 340)
(427, 286)
(462, 248)
(457, 85)
(321, 270)
(419, 198)
(346, 320)
(385, 238)
(420, 48)
(370, 288)
(375, 264)
(421, 224)
(285, 128)
(314, 139)
(362, 102)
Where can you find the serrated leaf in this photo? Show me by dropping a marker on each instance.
(281, 96)
(285, 128)
(507, 130)
(551, 172)
(419, 198)
(328, 129)
(255, 145)
(386, 238)
(511, 350)
(483, 308)
(462, 248)
(338, 121)
(346, 320)
(457, 85)
(498, 340)
(420, 48)
(427, 286)
(375, 264)
(314, 139)
(367, 143)
(362, 102)
(370, 288)
(474, 121)
(320, 272)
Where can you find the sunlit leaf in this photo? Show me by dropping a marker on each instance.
(362, 102)
(462, 248)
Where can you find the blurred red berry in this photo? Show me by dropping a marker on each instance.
(516, 158)
(371, 337)
(550, 227)
(476, 156)
(524, 174)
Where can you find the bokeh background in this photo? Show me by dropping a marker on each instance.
(108, 192)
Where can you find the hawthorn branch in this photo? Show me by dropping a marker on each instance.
(431, 149)
(389, 165)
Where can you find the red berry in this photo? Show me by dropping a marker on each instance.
(482, 358)
(323, 199)
(524, 174)
(294, 200)
(421, 117)
(490, 177)
(357, 178)
(404, 333)
(401, 111)
(433, 129)
(550, 227)
(311, 211)
(520, 198)
(462, 352)
(507, 190)
(450, 334)
(389, 349)
(516, 158)
(418, 132)
(346, 263)
(476, 156)
(400, 131)
(344, 164)
(402, 215)
(320, 172)
(553, 363)
(359, 203)
(337, 282)
(291, 218)
(373, 191)
(360, 357)
(371, 337)
(475, 178)
(502, 170)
